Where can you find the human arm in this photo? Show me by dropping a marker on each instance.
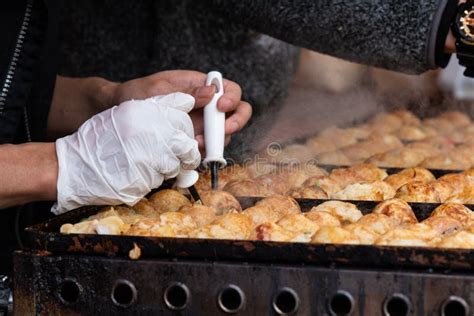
(77, 99)
(393, 34)
(29, 173)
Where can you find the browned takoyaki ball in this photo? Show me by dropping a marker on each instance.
(223, 202)
(168, 200)
(146, 208)
(398, 210)
(243, 187)
(201, 214)
(455, 210)
(405, 176)
(282, 204)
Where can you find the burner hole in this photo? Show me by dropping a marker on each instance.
(231, 299)
(341, 303)
(455, 306)
(69, 291)
(397, 305)
(177, 296)
(286, 301)
(124, 293)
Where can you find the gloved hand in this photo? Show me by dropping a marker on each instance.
(119, 155)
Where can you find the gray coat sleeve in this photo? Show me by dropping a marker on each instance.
(394, 34)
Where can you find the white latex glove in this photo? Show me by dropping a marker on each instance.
(119, 155)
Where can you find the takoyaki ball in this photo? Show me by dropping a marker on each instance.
(345, 176)
(444, 225)
(260, 214)
(443, 126)
(360, 132)
(469, 172)
(459, 181)
(308, 193)
(327, 184)
(168, 200)
(282, 204)
(378, 222)
(405, 176)
(446, 161)
(243, 187)
(369, 172)
(335, 235)
(300, 225)
(236, 226)
(464, 153)
(364, 233)
(427, 149)
(340, 137)
(418, 191)
(396, 209)
(461, 239)
(345, 212)
(322, 218)
(318, 145)
(181, 223)
(201, 214)
(296, 175)
(398, 158)
(407, 117)
(416, 235)
(464, 197)
(375, 191)
(223, 202)
(455, 210)
(443, 189)
(258, 168)
(272, 232)
(358, 152)
(229, 173)
(336, 157)
(411, 133)
(270, 184)
(150, 227)
(146, 208)
(456, 118)
(386, 122)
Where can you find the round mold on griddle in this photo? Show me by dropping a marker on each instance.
(177, 296)
(124, 293)
(454, 306)
(341, 303)
(69, 291)
(231, 299)
(397, 304)
(286, 301)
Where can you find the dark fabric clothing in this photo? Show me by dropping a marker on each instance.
(394, 34)
(122, 40)
(28, 56)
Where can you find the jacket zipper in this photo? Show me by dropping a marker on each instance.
(15, 58)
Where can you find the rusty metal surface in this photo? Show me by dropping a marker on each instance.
(46, 237)
(39, 278)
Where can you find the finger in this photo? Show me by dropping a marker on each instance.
(239, 118)
(203, 95)
(178, 100)
(186, 150)
(200, 139)
(198, 122)
(231, 97)
(181, 122)
(227, 140)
